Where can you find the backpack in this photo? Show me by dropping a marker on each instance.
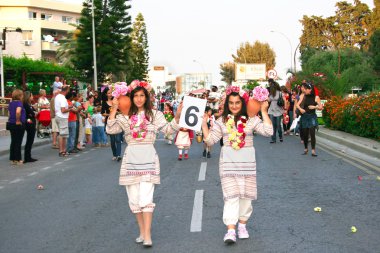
(280, 101)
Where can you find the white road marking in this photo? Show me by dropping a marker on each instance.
(33, 173)
(77, 155)
(46, 168)
(15, 181)
(58, 163)
(68, 159)
(1, 187)
(85, 152)
(202, 171)
(196, 218)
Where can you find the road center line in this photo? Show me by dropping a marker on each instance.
(196, 219)
(46, 168)
(15, 181)
(33, 173)
(202, 171)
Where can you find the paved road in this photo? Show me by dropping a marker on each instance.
(82, 208)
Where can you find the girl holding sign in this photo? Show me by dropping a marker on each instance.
(237, 165)
(140, 168)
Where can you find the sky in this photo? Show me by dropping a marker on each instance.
(210, 31)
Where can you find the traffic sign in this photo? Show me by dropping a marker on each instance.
(272, 73)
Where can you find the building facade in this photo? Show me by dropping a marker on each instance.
(43, 23)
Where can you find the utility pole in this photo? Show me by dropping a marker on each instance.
(94, 49)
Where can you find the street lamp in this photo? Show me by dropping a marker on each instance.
(94, 48)
(291, 48)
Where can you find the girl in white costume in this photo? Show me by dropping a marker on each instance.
(140, 168)
(237, 165)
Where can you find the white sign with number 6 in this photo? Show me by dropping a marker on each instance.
(192, 112)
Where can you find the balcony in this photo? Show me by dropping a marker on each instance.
(49, 46)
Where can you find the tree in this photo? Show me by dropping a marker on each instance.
(374, 50)
(66, 50)
(112, 29)
(140, 52)
(227, 71)
(349, 28)
(255, 53)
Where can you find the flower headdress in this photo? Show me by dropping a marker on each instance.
(121, 88)
(137, 83)
(242, 93)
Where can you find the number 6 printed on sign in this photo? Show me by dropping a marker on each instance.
(192, 111)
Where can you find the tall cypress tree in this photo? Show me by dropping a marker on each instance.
(112, 29)
(140, 52)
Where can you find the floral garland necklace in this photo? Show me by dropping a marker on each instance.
(236, 136)
(139, 126)
(169, 116)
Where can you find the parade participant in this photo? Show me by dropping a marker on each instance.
(169, 116)
(88, 128)
(309, 121)
(115, 138)
(140, 168)
(210, 123)
(237, 165)
(183, 140)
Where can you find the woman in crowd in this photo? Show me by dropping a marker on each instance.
(237, 165)
(309, 121)
(42, 104)
(140, 169)
(30, 126)
(115, 138)
(275, 111)
(16, 125)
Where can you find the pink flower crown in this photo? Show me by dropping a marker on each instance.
(121, 88)
(242, 93)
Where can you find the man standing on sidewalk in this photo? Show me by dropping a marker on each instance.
(62, 110)
(54, 127)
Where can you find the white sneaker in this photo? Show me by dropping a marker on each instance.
(230, 237)
(243, 232)
(114, 158)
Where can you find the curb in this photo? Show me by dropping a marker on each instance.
(359, 148)
(36, 144)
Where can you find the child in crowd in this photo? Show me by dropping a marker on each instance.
(99, 135)
(88, 128)
(183, 141)
(210, 123)
(169, 116)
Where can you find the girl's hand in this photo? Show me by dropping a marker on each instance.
(264, 106)
(204, 119)
(302, 111)
(179, 110)
(312, 107)
(115, 103)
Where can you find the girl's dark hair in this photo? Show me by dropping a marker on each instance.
(309, 85)
(147, 104)
(169, 105)
(104, 97)
(26, 98)
(273, 88)
(226, 111)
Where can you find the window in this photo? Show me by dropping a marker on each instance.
(32, 15)
(45, 16)
(27, 35)
(77, 21)
(66, 19)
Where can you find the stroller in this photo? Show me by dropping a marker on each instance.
(44, 129)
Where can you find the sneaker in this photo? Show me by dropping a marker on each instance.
(243, 232)
(208, 155)
(186, 156)
(204, 153)
(114, 158)
(297, 134)
(179, 157)
(118, 158)
(230, 237)
(170, 142)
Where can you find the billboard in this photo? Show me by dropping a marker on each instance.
(250, 71)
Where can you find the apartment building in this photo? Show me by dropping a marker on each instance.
(43, 23)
